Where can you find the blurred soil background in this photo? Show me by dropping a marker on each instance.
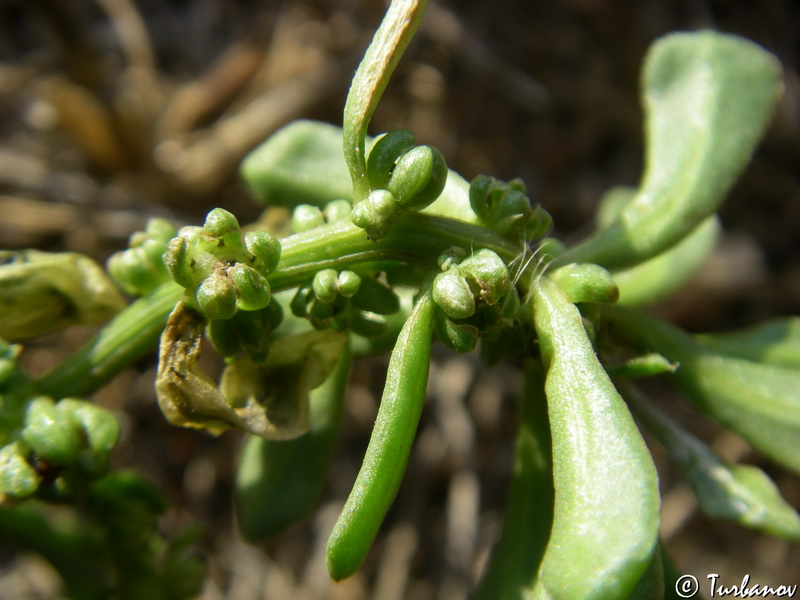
(114, 111)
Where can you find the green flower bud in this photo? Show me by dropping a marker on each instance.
(505, 207)
(461, 337)
(306, 217)
(479, 190)
(140, 269)
(385, 153)
(367, 324)
(539, 224)
(18, 478)
(452, 294)
(160, 229)
(489, 273)
(373, 296)
(349, 283)
(320, 313)
(99, 426)
(252, 288)
(418, 178)
(376, 213)
(326, 285)
(451, 257)
(511, 212)
(586, 282)
(53, 435)
(510, 304)
(136, 272)
(253, 329)
(266, 248)
(216, 296)
(224, 337)
(300, 301)
(176, 263)
(246, 331)
(337, 210)
(221, 223)
(100, 431)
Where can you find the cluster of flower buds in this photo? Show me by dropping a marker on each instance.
(140, 269)
(346, 300)
(41, 292)
(222, 271)
(506, 208)
(403, 176)
(474, 296)
(46, 446)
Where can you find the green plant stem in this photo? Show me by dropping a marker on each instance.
(384, 52)
(416, 238)
(128, 336)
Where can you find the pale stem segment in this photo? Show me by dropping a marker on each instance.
(384, 52)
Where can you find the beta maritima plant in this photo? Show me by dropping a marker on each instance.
(389, 249)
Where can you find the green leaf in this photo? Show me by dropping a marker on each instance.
(389, 446)
(660, 277)
(651, 584)
(759, 402)
(742, 493)
(708, 98)
(303, 163)
(605, 520)
(279, 482)
(774, 342)
(514, 563)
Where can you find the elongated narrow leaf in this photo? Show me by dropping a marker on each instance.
(708, 98)
(759, 402)
(389, 445)
(742, 493)
(605, 519)
(775, 342)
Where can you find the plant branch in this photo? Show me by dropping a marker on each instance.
(417, 239)
(384, 52)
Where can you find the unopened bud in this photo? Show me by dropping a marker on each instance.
(453, 294)
(216, 296)
(384, 155)
(252, 288)
(418, 178)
